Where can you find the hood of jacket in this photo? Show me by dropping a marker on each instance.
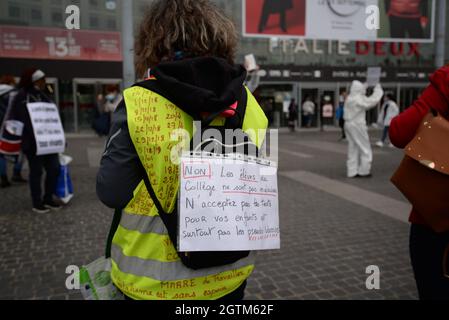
(357, 88)
(206, 84)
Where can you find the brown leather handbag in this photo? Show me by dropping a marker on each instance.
(423, 175)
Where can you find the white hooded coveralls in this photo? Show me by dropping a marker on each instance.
(360, 154)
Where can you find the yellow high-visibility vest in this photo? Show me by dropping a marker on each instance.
(145, 264)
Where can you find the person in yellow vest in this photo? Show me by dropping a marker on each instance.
(189, 46)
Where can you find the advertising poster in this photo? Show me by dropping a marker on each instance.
(338, 19)
(274, 17)
(350, 20)
(407, 20)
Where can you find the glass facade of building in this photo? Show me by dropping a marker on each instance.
(96, 16)
(323, 53)
(289, 68)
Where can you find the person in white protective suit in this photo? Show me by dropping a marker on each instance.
(360, 154)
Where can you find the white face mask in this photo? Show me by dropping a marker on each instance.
(111, 97)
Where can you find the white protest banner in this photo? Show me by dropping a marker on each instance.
(228, 204)
(373, 76)
(47, 128)
(250, 62)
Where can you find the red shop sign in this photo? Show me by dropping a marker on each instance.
(59, 44)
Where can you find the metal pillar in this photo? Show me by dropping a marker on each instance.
(129, 74)
(440, 39)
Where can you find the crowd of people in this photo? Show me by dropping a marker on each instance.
(211, 61)
(18, 140)
(18, 137)
(204, 65)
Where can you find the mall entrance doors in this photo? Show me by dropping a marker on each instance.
(87, 97)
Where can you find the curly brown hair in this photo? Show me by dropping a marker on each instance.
(8, 79)
(195, 27)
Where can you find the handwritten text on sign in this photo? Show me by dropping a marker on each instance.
(227, 204)
(47, 128)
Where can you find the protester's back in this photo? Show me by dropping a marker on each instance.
(190, 80)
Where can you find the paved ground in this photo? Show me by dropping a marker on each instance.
(332, 229)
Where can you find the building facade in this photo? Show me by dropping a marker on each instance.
(81, 63)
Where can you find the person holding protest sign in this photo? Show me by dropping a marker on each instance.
(360, 155)
(31, 89)
(190, 46)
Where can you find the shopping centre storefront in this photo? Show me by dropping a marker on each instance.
(75, 86)
(323, 70)
(79, 66)
(81, 63)
(279, 84)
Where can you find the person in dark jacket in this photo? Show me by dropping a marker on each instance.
(407, 17)
(5, 91)
(340, 114)
(275, 7)
(31, 89)
(9, 143)
(429, 250)
(292, 115)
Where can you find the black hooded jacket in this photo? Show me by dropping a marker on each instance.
(20, 113)
(3, 107)
(195, 85)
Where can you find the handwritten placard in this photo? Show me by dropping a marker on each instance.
(47, 127)
(227, 203)
(373, 75)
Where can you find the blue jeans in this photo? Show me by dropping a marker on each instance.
(3, 166)
(37, 164)
(17, 165)
(385, 133)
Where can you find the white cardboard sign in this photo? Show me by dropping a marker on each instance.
(373, 75)
(250, 62)
(47, 128)
(228, 204)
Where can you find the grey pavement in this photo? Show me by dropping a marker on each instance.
(332, 228)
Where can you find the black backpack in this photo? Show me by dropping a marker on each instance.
(199, 259)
